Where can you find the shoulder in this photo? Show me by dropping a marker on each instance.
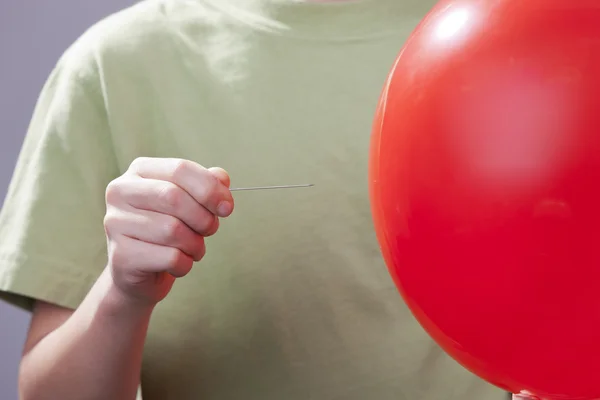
(139, 36)
(124, 33)
(151, 26)
(153, 39)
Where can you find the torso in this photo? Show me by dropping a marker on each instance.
(293, 300)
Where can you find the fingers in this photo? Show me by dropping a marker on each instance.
(132, 254)
(158, 214)
(204, 185)
(167, 198)
(160, 229)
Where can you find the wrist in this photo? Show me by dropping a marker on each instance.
(116, 302)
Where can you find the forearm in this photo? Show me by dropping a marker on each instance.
(95, 354)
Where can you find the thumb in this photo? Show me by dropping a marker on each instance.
(221, 174)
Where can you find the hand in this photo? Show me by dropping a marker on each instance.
(158, 214)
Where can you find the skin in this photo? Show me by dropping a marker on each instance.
(152, 241)
(158, 214)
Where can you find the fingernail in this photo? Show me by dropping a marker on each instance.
(224, 209)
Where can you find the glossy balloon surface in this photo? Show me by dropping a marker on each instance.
(485, 188)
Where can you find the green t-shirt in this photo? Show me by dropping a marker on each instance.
(293, 300)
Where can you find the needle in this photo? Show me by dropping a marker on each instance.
(271, 187)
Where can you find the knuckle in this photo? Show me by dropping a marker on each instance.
(174, 257)
(181, 168)
(209, 187)
(186, 266)
(113, 191)
(211, 227)
(173, 228)
(201, 251)
(170, 197)
(137, 163)
(212, 182)
(110, 221)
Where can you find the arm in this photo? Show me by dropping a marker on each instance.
(53, 246)
(155, 231)
(67, 354)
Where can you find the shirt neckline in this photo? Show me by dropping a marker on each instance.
(322, 20)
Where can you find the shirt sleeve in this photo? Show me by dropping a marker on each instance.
(52, 239)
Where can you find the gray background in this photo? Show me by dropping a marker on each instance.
(33, 34)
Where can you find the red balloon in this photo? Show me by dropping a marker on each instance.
(485, 189)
